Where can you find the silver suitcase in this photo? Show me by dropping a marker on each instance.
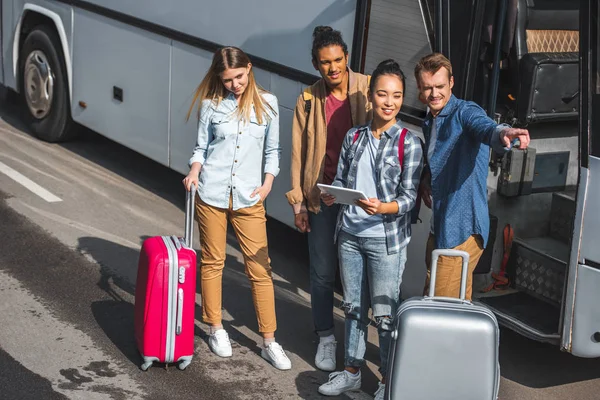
(444, 348)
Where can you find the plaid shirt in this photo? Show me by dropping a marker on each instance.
(394, 182)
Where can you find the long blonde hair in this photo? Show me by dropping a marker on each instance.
(212, 87)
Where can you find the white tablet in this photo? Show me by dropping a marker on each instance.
(343, 195)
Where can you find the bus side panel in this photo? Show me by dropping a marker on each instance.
(122, 74)
(9, 23)
(287, 92)
(5, 9)
(189, 65)
(280, 31)
(586, 313)
(591, 223)
(586, 318)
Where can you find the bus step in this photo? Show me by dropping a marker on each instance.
(537, 266)
(528, 310)
(562, 214)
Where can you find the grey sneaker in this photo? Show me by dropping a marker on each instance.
(340, 382)
(325, 357)
(380, 392)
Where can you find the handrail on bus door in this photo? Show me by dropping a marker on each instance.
(495, 78)
(442, 27)
(474, 44)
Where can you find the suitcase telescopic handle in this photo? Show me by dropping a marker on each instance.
(465, 269)
(189, 216)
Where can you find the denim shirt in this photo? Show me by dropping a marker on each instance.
(394, 182)
(231, 152)
(459, 169)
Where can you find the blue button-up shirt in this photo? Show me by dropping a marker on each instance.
(394, 182)
(231, 152)
(459, 169)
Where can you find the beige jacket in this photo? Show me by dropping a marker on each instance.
(309, 137)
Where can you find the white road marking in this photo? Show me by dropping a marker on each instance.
(78, 225)
(28, 183)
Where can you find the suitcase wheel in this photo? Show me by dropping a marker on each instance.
(146, 365)
(183, 365)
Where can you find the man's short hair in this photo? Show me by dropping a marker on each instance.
(432, 64)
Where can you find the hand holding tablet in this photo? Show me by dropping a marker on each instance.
(343, 195)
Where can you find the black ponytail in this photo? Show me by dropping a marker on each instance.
(324, 36)
(387, 67)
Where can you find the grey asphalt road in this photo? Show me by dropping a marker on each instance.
(67, 279)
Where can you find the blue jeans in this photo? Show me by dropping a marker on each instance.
(323, 267)
(370, 276)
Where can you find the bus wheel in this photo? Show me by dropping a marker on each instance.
(44, 86)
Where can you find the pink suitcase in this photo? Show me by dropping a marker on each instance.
(165, 297)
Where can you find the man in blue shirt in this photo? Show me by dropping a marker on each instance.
(454, 186)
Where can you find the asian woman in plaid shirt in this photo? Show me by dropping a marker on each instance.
(383, 160)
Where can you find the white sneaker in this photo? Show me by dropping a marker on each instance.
(380, 392)
(340, 382)
(275, 355)
(325, 358)
(219, 343)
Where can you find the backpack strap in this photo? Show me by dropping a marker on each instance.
(357, 134)
(401, 147)
(307, 96)
(414, 213)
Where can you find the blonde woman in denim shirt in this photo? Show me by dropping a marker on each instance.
(372, 235)
(238, 127)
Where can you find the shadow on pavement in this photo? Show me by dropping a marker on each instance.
(17, 382)
(115, 318)
(118, 264)
(540, 365)
(308, 383)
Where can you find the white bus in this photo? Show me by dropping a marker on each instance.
(127, 70)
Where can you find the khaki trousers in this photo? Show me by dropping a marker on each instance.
(250, 228)
(447, 281)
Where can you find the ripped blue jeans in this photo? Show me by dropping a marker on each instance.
(370, 277)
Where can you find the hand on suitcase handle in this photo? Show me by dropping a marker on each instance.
(189, 216)
(192, 177)
(435, 255)
(190, 181)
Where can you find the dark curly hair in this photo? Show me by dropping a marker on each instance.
(324, 36)
(387, 67)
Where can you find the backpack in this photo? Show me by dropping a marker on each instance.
(414, 213)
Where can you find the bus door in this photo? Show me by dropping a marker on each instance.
(2, 25)
(581, 305)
